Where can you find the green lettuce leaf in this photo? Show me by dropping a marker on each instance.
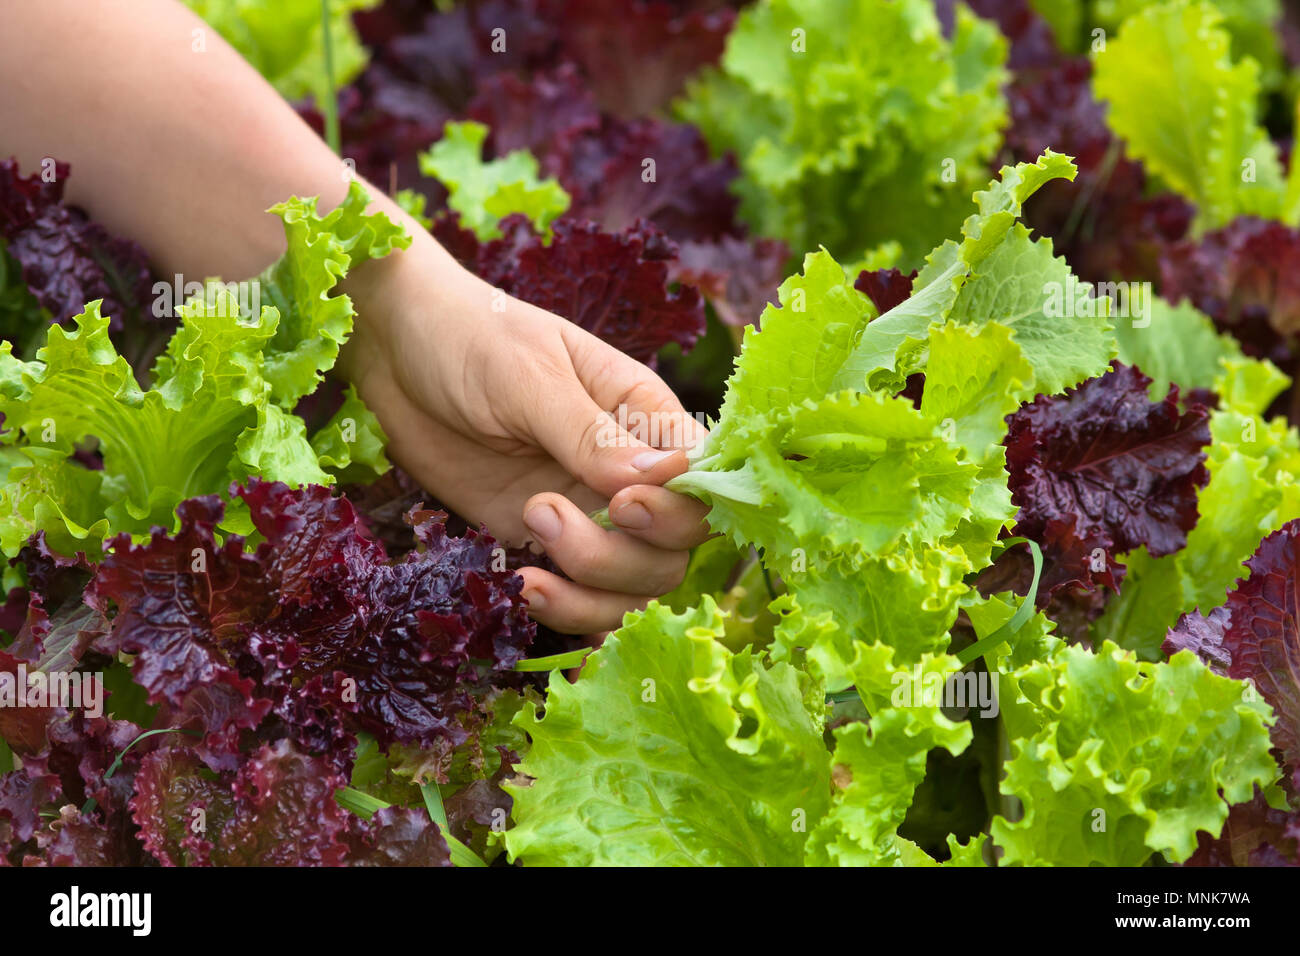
(853, 475)
(974, 378)
(1132, 759)
(850, 144)
(350, 446)
(1187, 111)
(285, 40)
(878, 765)
(483, 193)
(669, 749)
(808, 473)
(219, 407)
(995, 274)
(312, 322)
(903, 602)
(797, 355)
(1252, 24)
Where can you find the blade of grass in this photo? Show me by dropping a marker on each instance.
(365, 806)
(1023, 613)
(554, 661)
(359, 802)
(117, 762)
(461, 855)
(433, 803)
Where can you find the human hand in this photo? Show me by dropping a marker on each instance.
(505, 415)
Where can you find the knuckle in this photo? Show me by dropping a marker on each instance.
(671, 573)
(589, 441)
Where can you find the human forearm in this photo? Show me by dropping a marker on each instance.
(498, 408)
(180, 149)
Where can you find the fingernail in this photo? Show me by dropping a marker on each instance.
(535, 599)
(543, 521)
(633, 515)
(648, 459)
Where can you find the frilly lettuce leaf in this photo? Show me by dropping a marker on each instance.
(219, 406)
(996, 273)
(482, 192)
(974, 378)
(850, 144)
(669, 749)
(902, 601)
(853, 474)
(312, 322)
(1252, 24)
(1187, 111)
(807, 472)
(877, 765)
(351, 444)
(800, 349)
(1131, 759)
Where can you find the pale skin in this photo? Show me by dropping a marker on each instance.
(503, 415)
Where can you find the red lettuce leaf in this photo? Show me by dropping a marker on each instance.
(534, 113)
(1202, 635)
(449, 53)
(22, 727)
(1254, 834)
(615, 286)
(285, 813)
(175, 806)
(1245, 276)
(315, 626)
(1255, 636)
(638, 55)
(602, 161)
(398, 836)
(379, 24)
(885, 288)
(739, 277)
(278, 809)
(80, 750)
(75, 839)
(1103, 222)
(22, 796)
(67, 260)
(607, 174)
(384, 124)
(1124, 469)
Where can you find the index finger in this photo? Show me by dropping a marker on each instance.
(638, 400)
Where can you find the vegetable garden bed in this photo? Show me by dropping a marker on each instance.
(992, 308)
